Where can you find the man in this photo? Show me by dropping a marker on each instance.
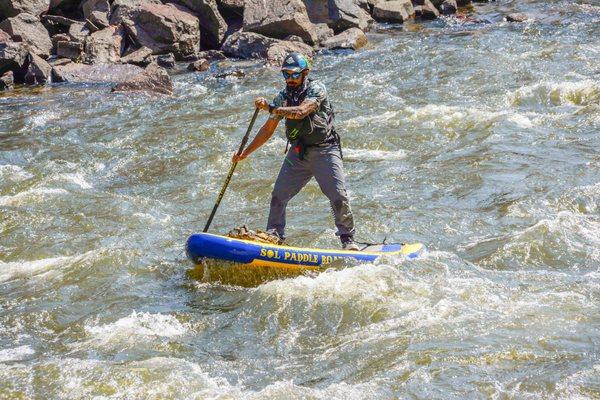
(315, 147)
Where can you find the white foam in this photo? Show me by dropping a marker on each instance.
(76, 178)
(15, 270)
(33, 195)
(13, 173)
(373, 155)
(138, 324)
(16, 353)
(579, 93)
(42, 118)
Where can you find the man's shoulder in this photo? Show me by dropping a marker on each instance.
(316, 87)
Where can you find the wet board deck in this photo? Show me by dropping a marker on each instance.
(207, 245)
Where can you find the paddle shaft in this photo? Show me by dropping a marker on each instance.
(231, 170)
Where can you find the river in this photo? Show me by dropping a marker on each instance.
(481, 140)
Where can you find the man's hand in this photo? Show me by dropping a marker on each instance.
(261, 103)
(238, 157)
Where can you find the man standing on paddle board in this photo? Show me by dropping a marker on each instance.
(315, 147)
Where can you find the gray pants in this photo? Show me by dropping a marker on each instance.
(325, 164)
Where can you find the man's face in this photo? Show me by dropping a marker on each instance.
(294, 79)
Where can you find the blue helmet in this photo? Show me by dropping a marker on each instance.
(295, 62)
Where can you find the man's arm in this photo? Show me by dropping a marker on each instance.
(298, 112)
(264, 134)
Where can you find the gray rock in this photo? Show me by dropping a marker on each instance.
(98, 73)
(56, 24)
(7, 81)
(236, 74)
(38, 72)
(78, 32)
(154, 79)
(12, 8)
(59, 61)
(352, 38)
(516, 17)
(393, 11)
(236, 5)
(279, 19)
(122, 10)
(199, 66)
(212, 24)
(104, 46)
(247, 45)
(340, 14)
(89, 6)
(277, 52)
(98, 19)
(212, 55)
(13, 57)
(324, 32)
(28, 29)
(165, 28)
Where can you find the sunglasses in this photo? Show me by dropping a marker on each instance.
(293, 75)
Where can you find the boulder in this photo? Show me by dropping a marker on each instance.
(199, 66)
(56, 24)
(462, 3)
(324, 32)
(339, 14)
(12, 8)
(247, 45)
(4, 37)
(235, 74)
(213, 26)
(279, 19)
(127, 9)
(104, 46)
(393, 11)
(448, 7)
(138, 57)
(7, 81)
(237, 5)
(165, 28)
(212, 55)
(38, 72)
(153, 79)
(78, 32)
(28, 29)
(13, 57)
(277, 52)
(353, 38)
(98, 73)
(70, 50)
(98, 19)
(163, 60)
(516, 17)
(59, 61)
(89, 6)
(424, 9)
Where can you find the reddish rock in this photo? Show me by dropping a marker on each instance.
(7, 81)
(104, 46)
(212, 55)
(393, 11)
(279, 19)
(448, 7)
(12, 8)
(424, 9)
(78, 32)
(199, 66)
(153, 79)
(164, 60)
(38, 72)
(212, 24)
(324, 32)
(13, 57)
(339, 14)
(28, 29)
(277, 52)
(247, 45)
(98, 73)
(516, 17)
(138, 57)
(238, 73)
(70, 50)
(352, 38)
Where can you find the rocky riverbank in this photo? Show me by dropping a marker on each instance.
(44, 41)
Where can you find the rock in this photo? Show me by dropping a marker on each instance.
(167, 28)
(236, 5)
(153, 79)
(393, 11)
(98, 73)
(59, 61)
(28, 29)
(353, 39)
(247, 45)
(424, 9)
(213, 26)
(56, 24)
(163, 60)
(138, 57)
(7, 81)
(277, 52)
(98, 19)
(104, 46)
(89, 6)
(462, 3)
(12, 8)
(13, 57)
(70, 50)
(212, 55)
(38, 72)
(78, 32)
(448, 7)
(199, 66)
(238, 73)
(516, 17)
(339, 14)
(127, 9)
(324, 32)
(279, 19)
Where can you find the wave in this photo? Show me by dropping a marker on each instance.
(583, 93)
(14, 174)
(34, 195)
(373, 155)
(25, 269)
(15, 354)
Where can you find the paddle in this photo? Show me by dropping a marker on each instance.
(231, 169)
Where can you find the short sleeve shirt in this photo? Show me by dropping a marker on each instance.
(316, 92)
